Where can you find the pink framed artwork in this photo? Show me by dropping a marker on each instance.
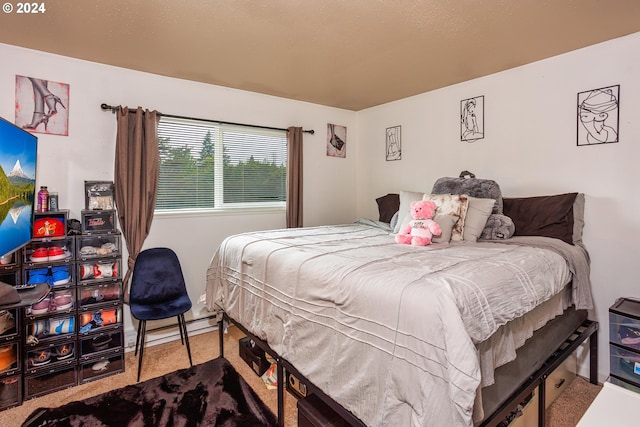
(42, 106)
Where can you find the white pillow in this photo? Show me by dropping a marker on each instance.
(451, 204)
(477, 214)
(404, 212)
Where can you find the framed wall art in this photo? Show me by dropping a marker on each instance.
(394, 143)
(42, 106)
(598, 116)
(472, 119)
(336, 140)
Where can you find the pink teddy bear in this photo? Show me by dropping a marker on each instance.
(420, 230)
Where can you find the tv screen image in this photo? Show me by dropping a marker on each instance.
(18, 154)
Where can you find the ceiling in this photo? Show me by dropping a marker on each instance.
(350, 54)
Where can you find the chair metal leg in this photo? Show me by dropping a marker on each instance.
(138, 338)
(183, 329)
(143, 324)
(181, 332)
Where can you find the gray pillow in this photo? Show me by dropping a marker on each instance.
(476, 219)
(474, 187)
(578, 218)
(446, 226)
(498, 227)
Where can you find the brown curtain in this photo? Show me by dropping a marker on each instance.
(294, 177)
(136, 179)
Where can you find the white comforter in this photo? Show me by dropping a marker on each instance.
(386, 330)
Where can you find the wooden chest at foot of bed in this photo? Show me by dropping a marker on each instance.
(313, 412)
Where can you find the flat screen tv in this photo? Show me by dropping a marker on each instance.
(18, 153)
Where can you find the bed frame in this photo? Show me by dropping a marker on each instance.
(587, 330)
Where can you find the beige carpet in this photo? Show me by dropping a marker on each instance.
(162, 359)
(569, 407)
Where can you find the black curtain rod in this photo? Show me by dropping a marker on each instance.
(113, 110)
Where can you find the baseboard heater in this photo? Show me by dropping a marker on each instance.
(168, 333)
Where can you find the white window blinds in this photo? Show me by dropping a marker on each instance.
(206, 165)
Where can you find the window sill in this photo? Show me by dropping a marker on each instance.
(190, 213)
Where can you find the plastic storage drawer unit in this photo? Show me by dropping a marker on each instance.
(624, 340)
(624, 323)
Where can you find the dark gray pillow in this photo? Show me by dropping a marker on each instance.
(387, 206)
(474, 187)
(548, 216)
(498, 227)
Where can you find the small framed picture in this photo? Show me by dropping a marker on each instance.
(599, 116)
(336, 140)
(472, 119)
(394, 143)
(98, 195)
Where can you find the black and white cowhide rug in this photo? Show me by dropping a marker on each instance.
(209, 394)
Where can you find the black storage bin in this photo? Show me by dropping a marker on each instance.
(254, 356)
(313, 412)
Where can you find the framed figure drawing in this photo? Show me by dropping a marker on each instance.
(394, 143)
(472, 119)
(598, 116)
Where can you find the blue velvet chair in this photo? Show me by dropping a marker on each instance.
(158, 292)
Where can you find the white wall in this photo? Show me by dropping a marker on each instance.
(64, 163)
(529, 149)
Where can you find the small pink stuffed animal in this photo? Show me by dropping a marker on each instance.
(420, 230)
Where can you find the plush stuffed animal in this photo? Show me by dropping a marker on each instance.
(420, 230)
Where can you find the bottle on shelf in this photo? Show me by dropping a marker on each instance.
(53, 201)
(43, 199)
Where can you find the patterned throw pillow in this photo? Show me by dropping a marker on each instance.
(451, 204)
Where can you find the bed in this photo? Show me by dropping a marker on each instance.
(411, 335)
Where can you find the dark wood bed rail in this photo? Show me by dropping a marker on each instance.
(587, 330)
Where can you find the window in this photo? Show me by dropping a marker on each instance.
(206, 165)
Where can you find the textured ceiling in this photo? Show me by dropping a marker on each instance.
(350, 54)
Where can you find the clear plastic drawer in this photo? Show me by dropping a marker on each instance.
(625, 364)
(49, 381)
(101, 293)
(56, 353)
(49, 251)
(102, 367)
(61, 275)
(624, 323)
(98, 271)
(9, 324)
(98, 246)
(9, 357)
(57, 302)
(46, 329)
(98, 318)
(93, 345)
